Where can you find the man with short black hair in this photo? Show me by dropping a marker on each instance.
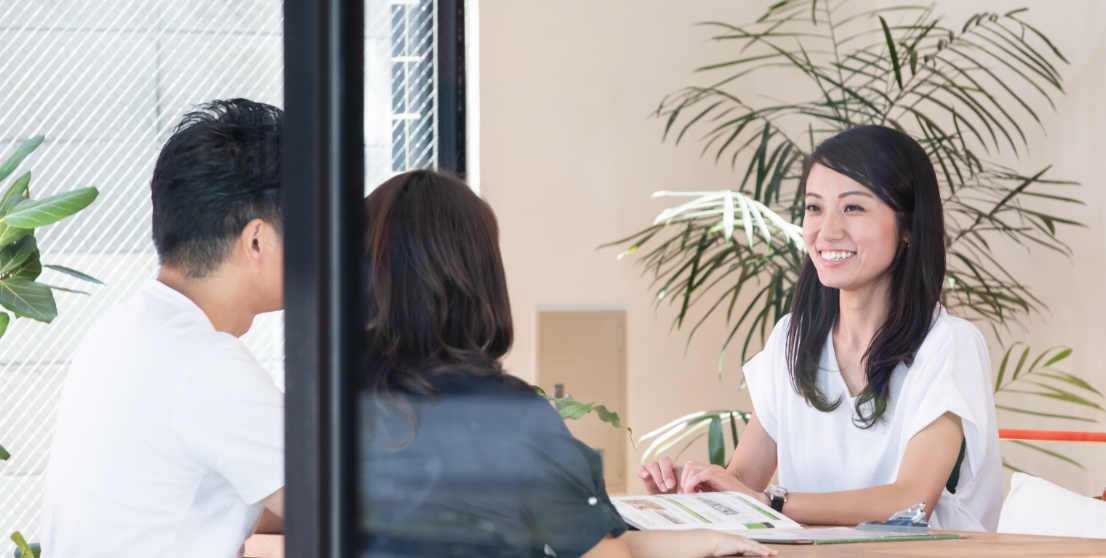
(170, 436)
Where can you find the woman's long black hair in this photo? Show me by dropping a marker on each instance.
(897, 170)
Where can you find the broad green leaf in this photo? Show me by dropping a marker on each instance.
(23, 549)
(18, 191)
(30, 269)
(571, 409)
(716, 443)
(607, 416)
(612, 418)
(4, 455)
(91, 279)
(9, 234)
(31, 214)
(28, 299)
(24, 150)
(14, 255)
(5, 319)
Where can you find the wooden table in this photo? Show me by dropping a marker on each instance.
(979, 545)
(265, 546)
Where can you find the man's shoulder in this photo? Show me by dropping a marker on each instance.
(142, 334)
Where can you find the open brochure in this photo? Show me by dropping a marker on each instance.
(721, 511)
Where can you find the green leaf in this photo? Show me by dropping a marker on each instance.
(5, 319)
(1008, 465)
(24, 150)
(1002, 369)
(716, 443)
(571, 409)
(1070, 379)
(4, 455)
(30, 269)
(1039, 414)
(31, 214)
(91, 279)
(1021, 363)
(15, 254)
(894, 52)
(607, 416)
(733, 429)
(1059, 356)
(18, 191)
(28, 299)
(25, 550)
(68, 290)
(1050, 453)
(9, 234)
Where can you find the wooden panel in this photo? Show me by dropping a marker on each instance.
(582, 353)
(979, 545)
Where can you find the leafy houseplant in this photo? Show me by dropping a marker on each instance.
(20, 264)
(967, 93)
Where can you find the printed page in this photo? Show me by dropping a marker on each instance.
(706, 510)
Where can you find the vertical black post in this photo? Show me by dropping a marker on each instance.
(450, 29)
(322, 191)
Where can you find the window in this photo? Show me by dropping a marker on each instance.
(106, 83)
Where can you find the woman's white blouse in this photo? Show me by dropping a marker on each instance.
(827, 452)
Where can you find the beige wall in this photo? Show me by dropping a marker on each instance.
(570, 156)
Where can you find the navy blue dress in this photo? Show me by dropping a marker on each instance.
(491, 471)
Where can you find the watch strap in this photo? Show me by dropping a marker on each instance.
(777, 503)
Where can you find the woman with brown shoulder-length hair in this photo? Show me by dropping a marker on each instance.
(460, 458)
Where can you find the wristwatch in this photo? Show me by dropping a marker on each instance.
(778, 495)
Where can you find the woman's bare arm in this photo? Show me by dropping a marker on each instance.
(754, 459)
(929, 458)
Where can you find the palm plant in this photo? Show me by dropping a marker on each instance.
(967, 93)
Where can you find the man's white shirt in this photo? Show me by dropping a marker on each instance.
(169, 434)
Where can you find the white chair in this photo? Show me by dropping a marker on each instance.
(1038, 507)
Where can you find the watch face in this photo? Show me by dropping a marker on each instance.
(777, 492)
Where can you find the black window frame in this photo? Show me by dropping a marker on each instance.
(322, 166)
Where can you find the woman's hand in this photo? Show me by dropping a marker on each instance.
(736, 545)
(701, 477)
(661, 476)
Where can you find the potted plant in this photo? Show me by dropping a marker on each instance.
(21, 292)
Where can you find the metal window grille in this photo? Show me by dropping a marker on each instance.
(106, 82)
(400, 88)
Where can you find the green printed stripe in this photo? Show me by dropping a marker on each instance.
(752, 505)
(756, 525)
(683, 507)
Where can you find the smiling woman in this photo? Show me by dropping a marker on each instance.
(868, 397)
(868, 192)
